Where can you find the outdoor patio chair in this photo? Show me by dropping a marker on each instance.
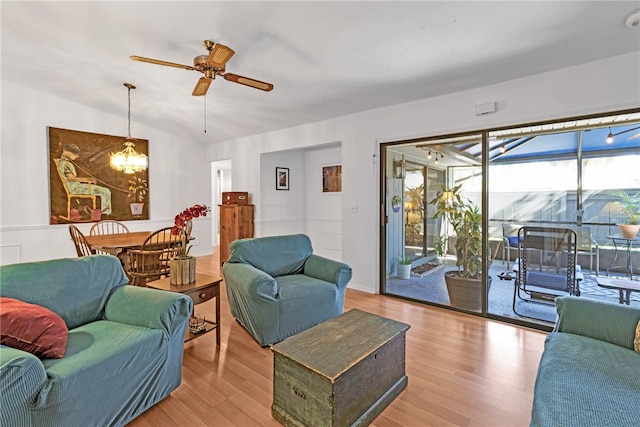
(587, 245)
(510, 241)
(546, 265)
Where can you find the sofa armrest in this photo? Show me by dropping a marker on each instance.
(250, 280)
(150, 308)
(328, 270)
(21, 377)
(605, 321)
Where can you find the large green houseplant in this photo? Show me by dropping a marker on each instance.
(464, 285)
(629, 205)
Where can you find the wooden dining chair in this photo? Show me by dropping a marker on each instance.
(83, 248)
(108, 226)
(151, 261)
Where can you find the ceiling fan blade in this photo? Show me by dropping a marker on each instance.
(159, 62)
(202, 86)
(248, 82)
(219, 56)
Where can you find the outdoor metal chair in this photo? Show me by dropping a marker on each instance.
(510, 241)
(587, 245)
(546, 265)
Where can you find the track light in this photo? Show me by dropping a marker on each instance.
(429, 155)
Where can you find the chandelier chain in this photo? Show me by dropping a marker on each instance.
(129, 113)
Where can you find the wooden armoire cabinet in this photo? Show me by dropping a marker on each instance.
(236, 222)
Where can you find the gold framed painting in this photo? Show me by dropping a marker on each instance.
(82, 185)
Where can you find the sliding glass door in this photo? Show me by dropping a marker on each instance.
(453, 206)
(418, 233)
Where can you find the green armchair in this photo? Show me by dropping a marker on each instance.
(277, 287)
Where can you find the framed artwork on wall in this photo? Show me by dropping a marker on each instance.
(282, 178)
(82, 185)
(332, 179)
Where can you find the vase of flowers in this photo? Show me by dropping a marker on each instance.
(182, 268)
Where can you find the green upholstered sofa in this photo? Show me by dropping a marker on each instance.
(589, 374)
(123, 353)
(277, 287)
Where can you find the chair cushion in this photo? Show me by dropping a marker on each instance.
(513, 241)
(32, 328)
(583, 381)
(97, 354)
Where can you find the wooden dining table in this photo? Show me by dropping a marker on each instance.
(117, 243)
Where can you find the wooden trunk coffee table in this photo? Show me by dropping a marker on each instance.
(203, 289)
(342, 372)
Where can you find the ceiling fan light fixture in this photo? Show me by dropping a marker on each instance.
(211, 65)
(128, 160)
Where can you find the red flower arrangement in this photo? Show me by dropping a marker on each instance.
(180, 223)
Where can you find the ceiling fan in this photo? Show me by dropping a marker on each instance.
(211, 65)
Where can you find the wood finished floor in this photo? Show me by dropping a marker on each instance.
(463, 370)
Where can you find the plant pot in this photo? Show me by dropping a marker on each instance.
(629, 231)
(396, 208)
(136, 208)
(463, 292)
(404, 271)
(182, 270)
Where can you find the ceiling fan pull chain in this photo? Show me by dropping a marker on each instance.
(205, 114)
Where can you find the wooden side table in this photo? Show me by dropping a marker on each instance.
(203, 289)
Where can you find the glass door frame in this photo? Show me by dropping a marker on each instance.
(386, 173)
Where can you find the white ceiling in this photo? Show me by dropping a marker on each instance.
(325, 59)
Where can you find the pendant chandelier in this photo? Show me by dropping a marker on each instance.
(128, 160)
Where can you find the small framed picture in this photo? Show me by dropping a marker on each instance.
(332, 179)
(282, 178)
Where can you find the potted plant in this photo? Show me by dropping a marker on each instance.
(464, 285)
(630, 205)
(404, 266)
(395, 203)
(182, 268)
(137, 191)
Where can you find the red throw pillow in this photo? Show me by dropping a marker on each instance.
(32, 328)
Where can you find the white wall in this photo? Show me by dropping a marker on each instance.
(280, 212)
(593, 88)
(179, 175)
(304, 208)
(323, 211)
